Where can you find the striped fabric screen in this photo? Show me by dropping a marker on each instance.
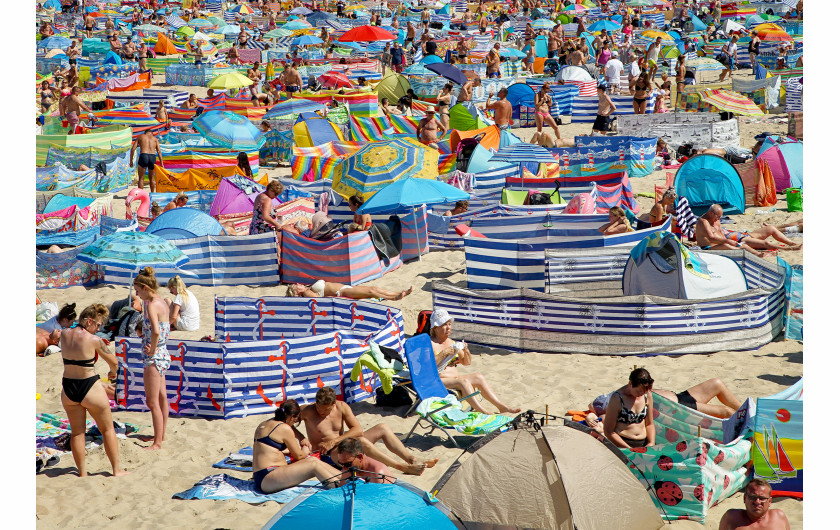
(350, 259)
(585, 109)
(219, 260)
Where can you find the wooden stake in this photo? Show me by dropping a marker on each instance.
(546, 412)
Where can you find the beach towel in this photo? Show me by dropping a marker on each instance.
(386, 375)
(686, 220)
(765, 184)
(242, 460)
(224, 487)
(464, 422)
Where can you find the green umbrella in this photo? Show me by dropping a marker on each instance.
(186, 30)
(278, 33)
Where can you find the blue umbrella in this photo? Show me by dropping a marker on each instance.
(430, 59)
(607, 24)
(300, 11)
(518, 153)
(292, 107)
(358, 504)
(52, 4)
(229, 130)
(53, 42)
(408, 193)
(306, 40)
(511, 52)
(319, 16)
(132, 251)
(448, 71)
(231, 29)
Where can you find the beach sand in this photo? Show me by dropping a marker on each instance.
(143, 499)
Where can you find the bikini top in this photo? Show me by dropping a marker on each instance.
(87, 363)
(629, 417)
(269, 442)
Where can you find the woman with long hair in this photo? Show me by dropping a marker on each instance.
(183, 310)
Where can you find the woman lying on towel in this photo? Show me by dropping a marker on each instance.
(466, 384)
(81, 390)
(321, 289)
(276, 437)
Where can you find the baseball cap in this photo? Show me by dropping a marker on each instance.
(439, 318)
(614, 53)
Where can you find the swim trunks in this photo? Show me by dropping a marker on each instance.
(146, 160)
(73, 119)
(687, 400)
(494, 74)
(602, 123)
(293, 88)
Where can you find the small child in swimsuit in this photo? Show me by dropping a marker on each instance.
(160, 358)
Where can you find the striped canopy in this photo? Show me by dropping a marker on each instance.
(242, 9)
(229, 130)
(132, 250)
(378, 164)
(542, 24)
(278, 33)
(129, 117)
(728, 101)
(200, 23)
(292, 107)
(518, 153)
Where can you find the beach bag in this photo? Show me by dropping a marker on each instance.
(794, 199)
(398, 397)
(538, 198)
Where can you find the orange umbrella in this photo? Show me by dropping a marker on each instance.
(772, 32)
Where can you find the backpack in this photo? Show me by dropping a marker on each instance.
(539, 198)
(398, 397)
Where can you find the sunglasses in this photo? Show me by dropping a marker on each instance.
(346, 465)
(757, 498)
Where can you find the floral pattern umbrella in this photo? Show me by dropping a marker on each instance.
(133, 251)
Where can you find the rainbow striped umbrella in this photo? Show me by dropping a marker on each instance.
(378, 164)
(242, 9)
(729, 101)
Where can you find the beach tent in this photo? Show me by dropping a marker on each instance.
(521, 94)
(393, 86)
(574, 73)
(236, 195)
(491, 137)
(710, 179)
(660, 265)
(556, 476)
(164, 46)
(460, 118)
(311, 130)
(184, 223)
(784, 156)
(480, 161)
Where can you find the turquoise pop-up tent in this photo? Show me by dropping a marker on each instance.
(710, 179)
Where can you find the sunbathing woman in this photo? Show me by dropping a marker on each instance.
(275, 436)
(663, 208)
(321, 289)
(466, 384)
(618, 223)
(628, 421)
(81, 390)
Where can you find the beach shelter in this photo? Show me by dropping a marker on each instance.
(393, 86)
(55, 41)
(184, 223)
(127, 116)
(710, 179)
(311, 130)
(236, 194)
(491, 137)
(699, 25)
(574, 73)
(164, 46)
(480, 161)
(359, 504)
(772, 32)
(555, 476)
(186, 31)
(777, 445)
(784, 156)
(112, 58)
(378, 164)
(430, 59)
(730, 101)
(462, 119)
(367, 34)
(228, 129)
(660, 265)
(731, 25)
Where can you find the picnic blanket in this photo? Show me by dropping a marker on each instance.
(52, 437)
(464, 422)
(224, 487)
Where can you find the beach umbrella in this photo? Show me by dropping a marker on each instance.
(228, 129)
(292, 107)
(417, 69)
(300, 11)
(132, 251)
(653, 34)
(640, 3)
(519, 153)
(772, 32)
(408, 193)
(230, 30)
(320, 16)
(356, 7)
(296, 24)
(511, 52)
(184, 30)
(729, 101)
(150, 28)
(200, 23)
(55, 41)
(358, 504)
(575, 8)
(378, 164)
(366, 34)
(448, 71)
(430, 59)
(335, 80)
(52, 4)
(230, 80)
(129, 117)
(606, 24)
(241, 9)
(278, 33)
(542, 23)
(761, 18)
(306, 40)
(217, 21)
(54, 53)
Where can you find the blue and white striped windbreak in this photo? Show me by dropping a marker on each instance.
(519, 153)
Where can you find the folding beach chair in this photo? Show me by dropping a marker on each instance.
(420, 359)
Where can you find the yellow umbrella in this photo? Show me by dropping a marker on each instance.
(653, 34)
(357, 7)
(231, 80)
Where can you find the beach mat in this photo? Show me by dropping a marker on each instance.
(242, 460)
(224, 487)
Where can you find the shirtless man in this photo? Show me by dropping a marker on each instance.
(45, 339)
(465, 94)
(501, 108)
(128, 50)
(149, 146)
(197, 52)
(462, 50)
(191, 103)
(427, 129)
(758, 513)
(576, 57)
(255, 76)
(72, 53)
(291, 79)
(493, 61)
(90, 23)
(71, 106)
(325, 421)
(553, 44)
(351, 456)
(605, 108)
(710, 235)
(409, 34)
(482, 24)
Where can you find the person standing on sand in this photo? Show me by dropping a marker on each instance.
(325, 422)
(156, 359)
(502, 110)
(149, 146)
(71, 107)
(758, 513)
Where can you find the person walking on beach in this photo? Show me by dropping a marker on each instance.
(291, 79)
(606, 106)
(326, 421)
(156, 359)
(81, 389)
(758, 513)
(71, 107)
(428, 127)
(502, 110)
(149, 147)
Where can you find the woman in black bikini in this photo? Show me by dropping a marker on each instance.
(277, 436)
(641, 92)
(81, 391)
(628, 421)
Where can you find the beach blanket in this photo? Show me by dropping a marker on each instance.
(224, 487)
(464, 422)
(242, 460)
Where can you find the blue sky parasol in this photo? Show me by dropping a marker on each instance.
(228, 129)
(408, 193)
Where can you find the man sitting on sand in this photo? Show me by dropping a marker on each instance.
(711, 236)
(351, 454)
(758, 513)
(325, 421)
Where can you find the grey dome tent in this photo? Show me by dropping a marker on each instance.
(556, 476)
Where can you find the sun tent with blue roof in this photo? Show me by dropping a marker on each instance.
(709, 179)
(480, 161)
(112, 58)
(60, 202)
(311, 130)
(184, 223)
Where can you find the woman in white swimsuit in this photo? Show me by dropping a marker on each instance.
(321, 289)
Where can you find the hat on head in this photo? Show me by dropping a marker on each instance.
(614, 53)
(430, 108)
(439, 318)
